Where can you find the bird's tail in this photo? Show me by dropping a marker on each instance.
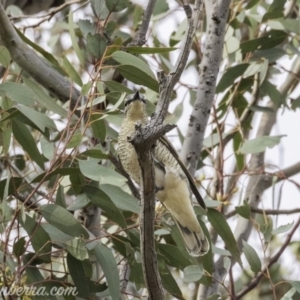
(195, 242)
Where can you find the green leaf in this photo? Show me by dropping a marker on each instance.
(100, 199)
(86, 27)
(226, 263)
(260, 144)
(25, 139)
(99, 9)
(60, 197)
(18, 92)
(41, 120)
(289, 294)
(123, 246)
(221, 226)
(86, 88)
(46, 101)
(71, 71)
(98, 127)
(283, 228)
(128, 59)
(4, 57)
(251, 3)
(80, 202)
(109, 267)
(136, 274)
(95, 153)
(214, 297)
(230, 76)
(252, 257)
(149, 50)
(74, 39)
(96, 45)
(19, 247)
(264, 109)
(114, 86)
(13, 184)
(173, 256)
(75, 140)
(160, 7)
(62, 171)
(138, 76)
(76, 269)
(91, 169)
(76, 247)
(265, 226)
(169, 283)
(40, 239)
(56, 236)
(296, 285)
(271, 39)
(291, 25)
(117, 5)
(121, 199)
(62, 219)
(244, 210)
(271, 90)
(240, 158)
(192, 273)
(47, 148)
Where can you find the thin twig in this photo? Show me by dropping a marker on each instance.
(273, 260)
(267, 212)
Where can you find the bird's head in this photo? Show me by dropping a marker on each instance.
(135, 107)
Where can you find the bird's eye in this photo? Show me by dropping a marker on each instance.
(128, 102)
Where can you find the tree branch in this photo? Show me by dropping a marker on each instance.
(143, 142)
(140, 37)
(27, 59)
(217, 14)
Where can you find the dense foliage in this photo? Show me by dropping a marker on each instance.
(68, 216)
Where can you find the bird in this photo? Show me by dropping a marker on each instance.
(173, 181)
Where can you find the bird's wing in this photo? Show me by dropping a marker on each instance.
(194, 189)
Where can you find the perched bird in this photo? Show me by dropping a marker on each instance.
(172, 179)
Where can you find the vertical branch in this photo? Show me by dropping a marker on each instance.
(147, 215)
(217, 14)
(140, 38)
(143, 141)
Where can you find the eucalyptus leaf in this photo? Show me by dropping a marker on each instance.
(94, 171)
(125, 58)
(102, 200)
(26, 140)
(76, 269)
(4, 57)
(260, 144)
(121, 199)
(252, 257)
(62, 219)
(192, 273)
(221, 226)
(39, 119)
(109, 267)
(17, 92)
(283, 228)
